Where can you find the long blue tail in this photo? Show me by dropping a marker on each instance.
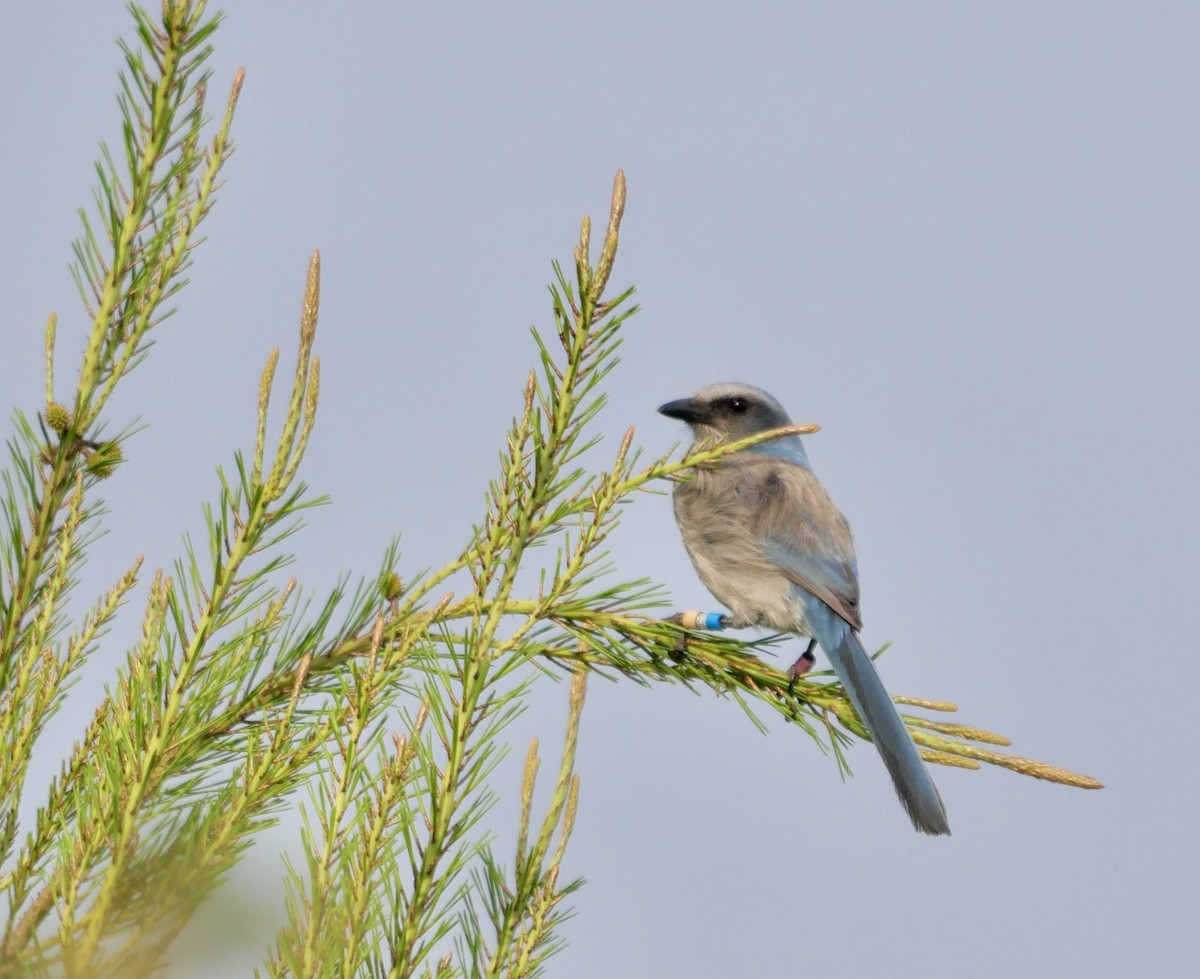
(892, 740)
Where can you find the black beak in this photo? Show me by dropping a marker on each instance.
(684, 409)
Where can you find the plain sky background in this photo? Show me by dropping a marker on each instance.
(962, 237)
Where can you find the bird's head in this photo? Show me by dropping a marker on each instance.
(729, 410)
(733, 411)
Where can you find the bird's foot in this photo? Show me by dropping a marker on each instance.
(678, 651)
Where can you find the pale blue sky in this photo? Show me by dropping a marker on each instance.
(961, 237)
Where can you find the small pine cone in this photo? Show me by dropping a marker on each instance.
(390, 586)
(104, 460)
(57, 417)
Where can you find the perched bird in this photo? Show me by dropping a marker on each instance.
(770, 545)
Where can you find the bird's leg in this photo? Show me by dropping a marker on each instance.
(805, 662)
(801, 666)
(691, 619)
(712, 621)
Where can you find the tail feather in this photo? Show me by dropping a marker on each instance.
(857, 672)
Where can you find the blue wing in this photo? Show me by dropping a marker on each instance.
(834, 580)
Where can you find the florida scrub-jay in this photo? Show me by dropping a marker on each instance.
(770, 545)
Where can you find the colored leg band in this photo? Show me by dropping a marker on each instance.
(692, 619)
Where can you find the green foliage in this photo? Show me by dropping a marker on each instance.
(386, 704)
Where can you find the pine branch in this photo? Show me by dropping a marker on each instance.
(388, 702)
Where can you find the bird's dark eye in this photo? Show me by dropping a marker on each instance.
(739, 406)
